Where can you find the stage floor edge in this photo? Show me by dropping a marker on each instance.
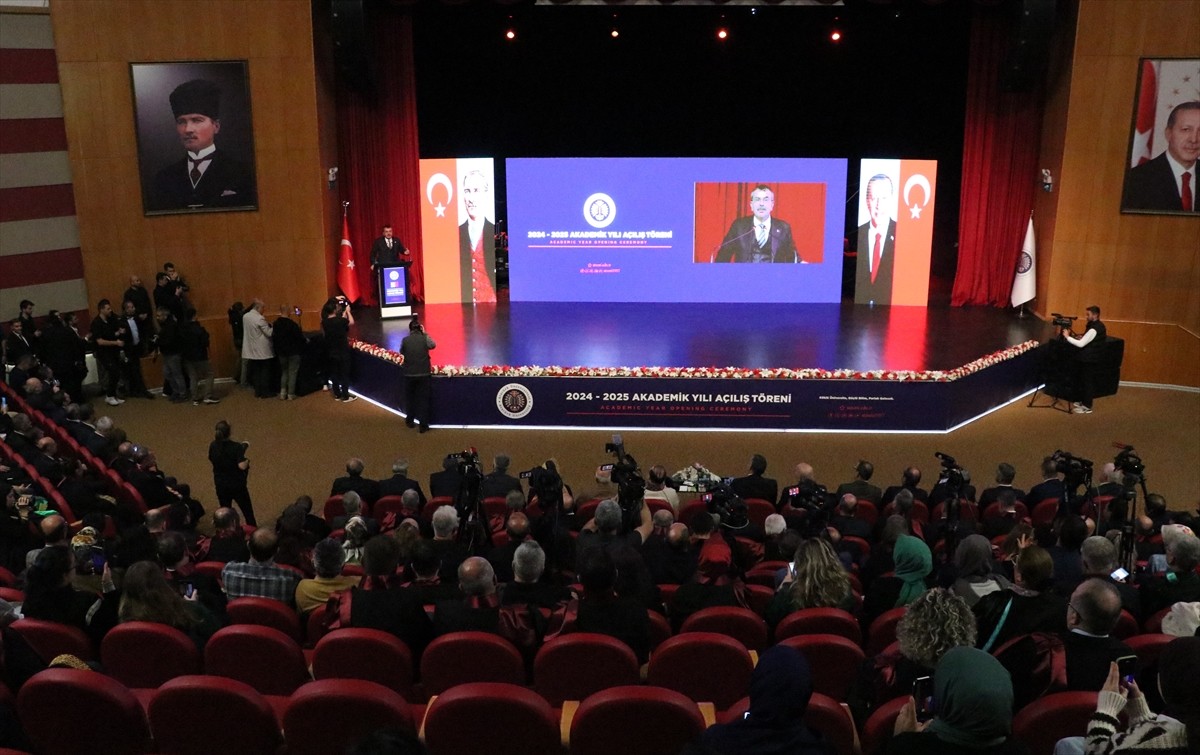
(697, 403)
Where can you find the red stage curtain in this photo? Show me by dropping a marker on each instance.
(378, 152)
(1000, 151)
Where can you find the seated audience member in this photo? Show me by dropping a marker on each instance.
(974, 710)
(295, 548)
(1183, 620)
(147, 596)
(601, 609)
(935, 623)
(1051, 486)
(1001, 521)
(526, 587)
(756, 484)
(1030, 605)
(1005, 474)
(773, 529)
(499, 483)
(328, 558)
(711, 585)
(55, 531)
(16, 536)
(48, 592)
(22, 439)
(1099, 559)
(976, 574)
(377, 604)
(914, 564)
(180, 572)
(228, 542)
(426, 584)
(1092, 615)
(1181, 583)
(860, 487)
(1175, 734)
(478, 609)
(260, 577)
(400, 482)
(904, 506)
(445, 543)
(845, 519)
(658, 489)
(817, 579)
(910, 481)
(356, 540)
(780, 689)
(605, 529)
(352, 503)
(366, 488)
(446, 483)
(669, 558)
(881, 560)
(1068, 564)
(501, 557)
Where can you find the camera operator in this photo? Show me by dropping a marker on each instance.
(336, 319)
(418, 374)
(1090, 344)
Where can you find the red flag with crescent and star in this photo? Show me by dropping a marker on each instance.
(347, 275)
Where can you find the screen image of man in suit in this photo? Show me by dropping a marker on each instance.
(1168, 182)
(758, 237)
(386, 250)
(206, 177)
(477, 241)
(876, 245)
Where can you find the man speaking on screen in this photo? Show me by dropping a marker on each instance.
(758, 237)
(876, 245)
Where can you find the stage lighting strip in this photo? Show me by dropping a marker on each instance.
(774, 373)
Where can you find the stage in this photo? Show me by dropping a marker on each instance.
(814, 367)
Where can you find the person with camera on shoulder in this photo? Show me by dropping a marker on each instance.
(418, 374)
(336, 319)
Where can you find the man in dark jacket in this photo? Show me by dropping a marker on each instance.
(194, 348)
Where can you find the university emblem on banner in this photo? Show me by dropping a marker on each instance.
(599, 210)
(514, 401)
(1024, 263)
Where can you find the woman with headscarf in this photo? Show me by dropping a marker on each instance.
(974, 568)
(711, 585)
(914, 564)
(780, 689)
(973, 710)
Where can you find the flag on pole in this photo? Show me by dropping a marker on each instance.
(347, 276)
(1147, 106)
(1025, 282)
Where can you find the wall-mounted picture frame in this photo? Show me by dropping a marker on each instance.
(1164, 139)
(195, 136)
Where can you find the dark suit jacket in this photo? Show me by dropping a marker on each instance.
(992, 495)
(1044, 490)
(444, 483)
(381, 256)
(880, 291)
(464, 257)
(227, 182)
(496, 485)
(397, 484)
(861, 489)
(1151, 186)
(756, 486)
(367, 488)
(1088, 659)
(740, 244)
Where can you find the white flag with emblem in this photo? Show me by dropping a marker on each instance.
(1025, 283)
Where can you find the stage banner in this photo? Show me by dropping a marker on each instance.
(458, 216)
(895, 233)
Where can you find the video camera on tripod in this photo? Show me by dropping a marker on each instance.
(631, 486)
(955, 478)
(1062, 321)
(546, 484)
(811, 498)
(722, 501)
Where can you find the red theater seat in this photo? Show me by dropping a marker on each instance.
(883, 630)
(574, 666)
(721, 679)
(464, 657)
(819, 621)
(201, 715)
(834, 661)
(879, 726)
(492, 718)
(1048, 719)
(741, 624)
(368, 654)
(50, 638)
(146, 655)
(634, 719)
(324, 716)
(265, 612)
(265, 658)
(66, 710)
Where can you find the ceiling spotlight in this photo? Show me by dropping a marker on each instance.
(836, 36)
(722, 34)
(510, 34)
(615, 33)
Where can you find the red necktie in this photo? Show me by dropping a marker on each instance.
(1187, 191)
(875, 258)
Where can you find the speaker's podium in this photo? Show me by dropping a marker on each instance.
(1062, 371)
(393, 291)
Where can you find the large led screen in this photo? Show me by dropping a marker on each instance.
(676, 229)
(895, 231)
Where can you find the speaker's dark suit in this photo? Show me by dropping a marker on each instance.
(741, 245)
(227, 182)
(1152, 186)
(464, 257)
(381, 256)
(880, 291)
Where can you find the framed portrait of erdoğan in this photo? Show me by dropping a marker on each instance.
(1164, 140)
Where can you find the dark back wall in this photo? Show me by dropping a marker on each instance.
(893, 86)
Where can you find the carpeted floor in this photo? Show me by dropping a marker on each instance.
(300, 446)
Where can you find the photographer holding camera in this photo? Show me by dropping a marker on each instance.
(418, 374)
(1090, 342)
(336, 320)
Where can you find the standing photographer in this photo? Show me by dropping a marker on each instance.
(418, 374)
(1091, 343)
(336, 320)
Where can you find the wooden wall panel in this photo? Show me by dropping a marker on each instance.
(1143, 270)
(277, 253)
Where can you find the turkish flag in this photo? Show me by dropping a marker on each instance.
(347, 275)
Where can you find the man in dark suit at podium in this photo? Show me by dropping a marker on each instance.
(876, 245)
(1168, 182)
(758, 237)
(1091, 344)
(386, 250)
(477, 242)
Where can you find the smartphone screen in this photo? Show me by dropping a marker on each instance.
(189, 590)
(1119, 574)
(923, 694)
(1127, 668)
